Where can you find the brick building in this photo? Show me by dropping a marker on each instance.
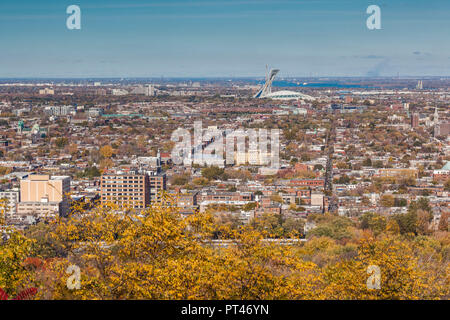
(126, 188)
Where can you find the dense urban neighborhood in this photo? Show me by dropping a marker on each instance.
(347, 152)
(357, 159)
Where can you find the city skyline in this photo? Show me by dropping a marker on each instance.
(150, 39)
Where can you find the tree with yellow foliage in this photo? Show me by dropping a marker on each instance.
(106, 151)
(392, 227)
(159, 254)
(14, 274)
(400, 276)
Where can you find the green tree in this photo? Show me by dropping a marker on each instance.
(334, 227)
(213, 173)
(407, 222)
(374, 222)
(61, 142)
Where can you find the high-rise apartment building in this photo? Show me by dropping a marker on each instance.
(59, 110)
(150, 91)
(158, 183)
(126, 189)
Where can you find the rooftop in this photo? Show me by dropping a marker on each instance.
(447, 166)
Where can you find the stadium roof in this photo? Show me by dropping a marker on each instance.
(288, 95)
(266, 90)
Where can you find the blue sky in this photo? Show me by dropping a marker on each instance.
(210, 38)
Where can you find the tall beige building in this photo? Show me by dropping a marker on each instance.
(43, 196)
(39, 188)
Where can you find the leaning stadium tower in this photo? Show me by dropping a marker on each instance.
(267, 88)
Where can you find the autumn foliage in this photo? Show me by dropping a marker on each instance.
(158, 254)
